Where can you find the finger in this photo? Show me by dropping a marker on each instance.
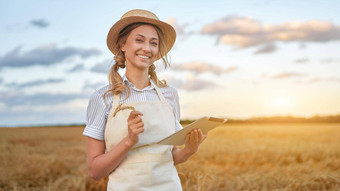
(134, 121)
(137, 119)
(189, 137)
(192, 131)
(196, 136)
(133, 114)
(138, 130)
(192, 137)
(137, 125)
(200, 135)
(140, 124)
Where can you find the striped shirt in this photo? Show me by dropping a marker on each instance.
(98, 111)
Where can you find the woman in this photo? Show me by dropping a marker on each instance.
(125, 117)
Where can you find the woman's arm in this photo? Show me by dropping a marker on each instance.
(192, 141)
(100, 163)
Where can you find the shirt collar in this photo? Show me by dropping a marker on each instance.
(131, 85)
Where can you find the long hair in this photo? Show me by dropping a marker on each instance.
(116, 85)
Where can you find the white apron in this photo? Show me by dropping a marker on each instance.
(146, 167)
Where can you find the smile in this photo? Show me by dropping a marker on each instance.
(145, 57)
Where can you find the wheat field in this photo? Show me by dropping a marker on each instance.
(233, 157)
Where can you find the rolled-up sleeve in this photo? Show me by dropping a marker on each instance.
(95, 118)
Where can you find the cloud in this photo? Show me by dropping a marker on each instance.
(180, 29)
(102, 67)
(230, 69)
(288, 75)
(19, 108)
(40, 23)
(34, 83)
(267, 48)
(301, 61)
(191, 83)
(201, 67)
(16, 98)
(1, 80)
(93, 86)
(172, 81)
(313, 80)
(330, 60)
(334, 79)
(328, 79)
(245, 32)
(44, 55)
(76, 68)
(197, 84)
(42, 116)
(303, 46)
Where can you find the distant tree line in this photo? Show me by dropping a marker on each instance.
(282, 119)
(277, 119)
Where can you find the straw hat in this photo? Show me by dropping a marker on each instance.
(140, 15)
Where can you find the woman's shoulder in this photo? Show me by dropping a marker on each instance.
(168, 89)
(99, 92)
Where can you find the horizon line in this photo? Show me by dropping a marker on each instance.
(230, 120)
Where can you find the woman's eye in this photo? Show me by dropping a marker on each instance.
(154, 43)
(139, 40)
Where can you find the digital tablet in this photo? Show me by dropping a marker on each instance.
(205, 124)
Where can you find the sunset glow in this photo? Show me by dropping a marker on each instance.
(281, 102)
(235, 59)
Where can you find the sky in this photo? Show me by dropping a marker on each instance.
(232, 59)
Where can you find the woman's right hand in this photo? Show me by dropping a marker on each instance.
(100, 164)
(135, 127)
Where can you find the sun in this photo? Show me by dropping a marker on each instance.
(281, 102)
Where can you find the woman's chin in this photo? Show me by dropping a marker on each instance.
(142, 67)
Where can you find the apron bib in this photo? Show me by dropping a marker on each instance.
(145, 167)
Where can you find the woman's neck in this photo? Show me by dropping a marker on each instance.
(139, 79)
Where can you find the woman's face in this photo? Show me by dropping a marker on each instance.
(141, 47)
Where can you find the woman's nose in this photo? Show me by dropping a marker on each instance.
(147, 47)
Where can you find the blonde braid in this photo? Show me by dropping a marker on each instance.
(153, 76)
(116, 82)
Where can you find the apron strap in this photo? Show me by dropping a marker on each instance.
(116, 97)
(115, 103)
(159, 92)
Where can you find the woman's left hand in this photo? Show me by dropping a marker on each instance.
(192, 141)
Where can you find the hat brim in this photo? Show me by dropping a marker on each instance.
(168, 31)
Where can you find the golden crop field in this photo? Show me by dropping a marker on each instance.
(233, 157)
